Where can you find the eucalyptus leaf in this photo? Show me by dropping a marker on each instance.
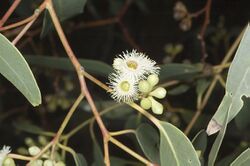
(242, 119)
(98, 155)
(179, 89)
(243, 159)
(80, 160)
(179, 71)
(28, 127)
(200, 141)
(64, 9)
(237, 86)
(62, 63)
(148, 139)
(218, 141)
(175, 147)
(202, 85)
(14, 68)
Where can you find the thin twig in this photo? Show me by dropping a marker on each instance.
(130, 151)
(203, 30)
(9, 12)
(24, 30)
(80, 72)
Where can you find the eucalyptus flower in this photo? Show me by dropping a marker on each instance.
(135, 65)
(3, 153)
(123, 88)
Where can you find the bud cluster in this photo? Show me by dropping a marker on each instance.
(35, 147)
(135, 78)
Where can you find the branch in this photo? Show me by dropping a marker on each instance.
(9, 12)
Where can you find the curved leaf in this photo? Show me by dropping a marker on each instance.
(237, 85)
(80, 160)
(200, 141)
(179, 71)
(175, 147)
(14, 68)
(148, 139)
(243, 159)
(91, 66)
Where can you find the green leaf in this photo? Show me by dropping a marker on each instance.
(242, 119)
(237, 85)
(27, 127)
(80, 160)
(202, 85)
(218, 141)
(14, 68)
(200, 141)
(64, 9)
(98, 155)
(148, 139)
(243, 159)
(133, 121)
(179, 71)
(175, 147)
(179, 89)
(91, 66)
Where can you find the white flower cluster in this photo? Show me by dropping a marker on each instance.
(3, 153)
(130, 68)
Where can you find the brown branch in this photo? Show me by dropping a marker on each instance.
(80, 72)
(97, 23)
(9, 12)
(203, 30)
(24, 30)
(124, 9)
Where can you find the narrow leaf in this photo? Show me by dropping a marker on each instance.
(148, 139)
(80, 160)
(14, 68)
(179, 71)
(91, 66)
(98, 155)
(200, 141)
(242, 119)
(237, 85)
(243, 159)
(175, 147)
(218, 141)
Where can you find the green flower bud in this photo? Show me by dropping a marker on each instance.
(145, 103)
(144, 86)
(153, 79)
(34, 150)
(29, 141)
(60, 163)
(23, 151)
(157, 107)
(48, 163)
(42, 140)
(159, 93)
(9, 162)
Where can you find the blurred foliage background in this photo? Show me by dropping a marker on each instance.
(100, 33)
